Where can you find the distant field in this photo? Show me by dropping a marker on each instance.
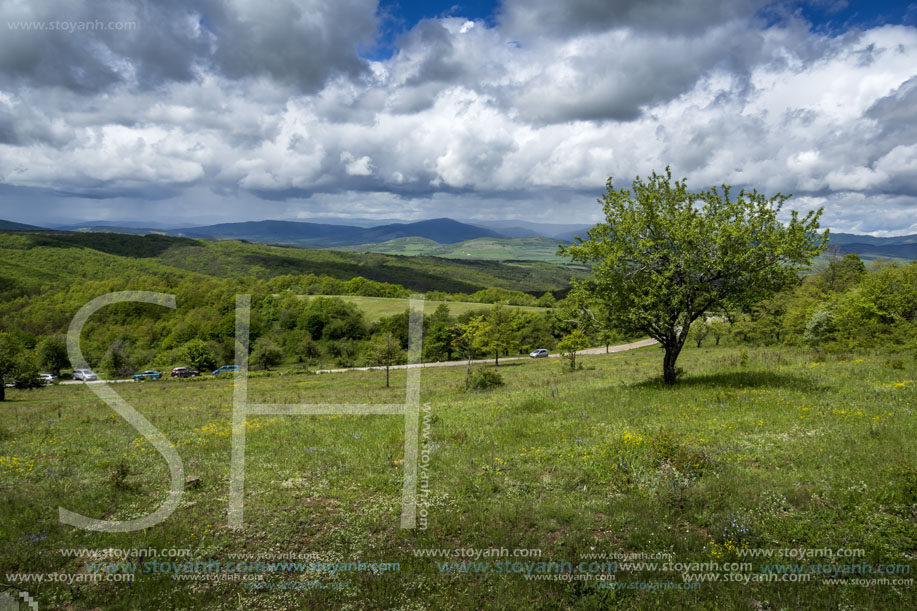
(378, 307)
(494, 249)
(772, 449)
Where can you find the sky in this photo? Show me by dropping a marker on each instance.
(199, 111)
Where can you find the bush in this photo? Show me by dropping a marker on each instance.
(198, 355)
(116, 361)
(819, 328)
(485, 379)
(266, 354)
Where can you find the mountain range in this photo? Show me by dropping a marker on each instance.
(443, 237)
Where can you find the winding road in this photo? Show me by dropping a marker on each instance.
(601, 350)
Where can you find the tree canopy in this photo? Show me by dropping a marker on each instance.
(665, 256)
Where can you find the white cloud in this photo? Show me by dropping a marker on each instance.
(357, 167)
(530, 113)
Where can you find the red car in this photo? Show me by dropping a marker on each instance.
(184, 372)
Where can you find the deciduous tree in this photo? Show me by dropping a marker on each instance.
(572, 343)
(52, 354)
(385, 350)
(665, 256)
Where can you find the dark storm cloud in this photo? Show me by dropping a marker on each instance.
(528, 18)
(89, 47)
(897, 111)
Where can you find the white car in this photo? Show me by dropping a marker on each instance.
(85, 375)
(47, 378)
(539, 354)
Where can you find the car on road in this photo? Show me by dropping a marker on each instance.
(539, 354)
(149, 374)
(84, 375)
(226, 369)
(184, 372)
(47, 378)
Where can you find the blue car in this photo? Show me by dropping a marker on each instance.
(149, 374)
(226, 369)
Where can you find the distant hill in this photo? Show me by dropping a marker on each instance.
(320, 235)
(118, 229)
(522, 229)
(572, 233)
(118, 226)
(443, 237)
(12, 226)
(869, 247)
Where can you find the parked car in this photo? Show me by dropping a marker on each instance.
(47, 378)
(226, 369)
(184, 372)
(84, 375)
(149, 374)
(539, 354)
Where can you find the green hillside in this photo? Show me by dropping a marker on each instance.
(33, 260)
(13, 226)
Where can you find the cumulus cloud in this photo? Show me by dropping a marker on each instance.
(524, 118)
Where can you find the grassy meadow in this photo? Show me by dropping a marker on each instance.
(754, 449)
(374, 308)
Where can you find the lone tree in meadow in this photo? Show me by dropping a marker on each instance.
(385, 351)
(665, 256)
(574, 342)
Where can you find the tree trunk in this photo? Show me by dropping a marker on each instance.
(386, 376)
(668, 363)
(2, 389)
(496, 358)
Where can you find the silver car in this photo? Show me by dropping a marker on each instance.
(85, 375)
(539, 354)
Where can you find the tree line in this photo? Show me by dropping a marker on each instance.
(289, 325)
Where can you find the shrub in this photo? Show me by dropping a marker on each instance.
(116, 361)
(266, 354)
(819, 328)
(485, 379)
(198, 354)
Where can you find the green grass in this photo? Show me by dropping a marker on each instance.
(789, 450)
(375, 308)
